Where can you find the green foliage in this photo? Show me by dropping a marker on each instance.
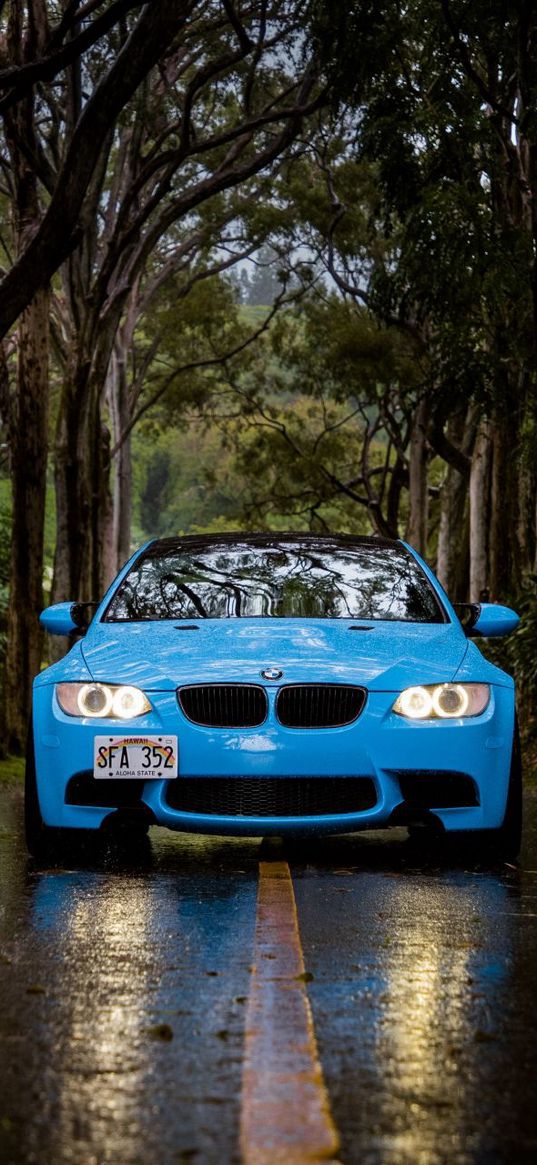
(200, 478)
(11, 770)
(189, 332)
(353, 39)
(518, 655)
(291, 462)
(436, 111)
(184, 481)
(274, 437)
(337, 350)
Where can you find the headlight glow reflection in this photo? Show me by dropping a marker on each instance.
(416, 703)
(128, 702)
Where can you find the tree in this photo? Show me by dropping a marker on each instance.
(152, 38)
(447, 115)
(311, 414)
(25, 415)
(262, 285)
(154, 200)
(110, 190)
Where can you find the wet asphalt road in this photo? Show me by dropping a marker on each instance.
(124, 985)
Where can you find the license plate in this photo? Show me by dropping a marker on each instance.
(145, 757)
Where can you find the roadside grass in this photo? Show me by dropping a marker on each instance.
(12, 770)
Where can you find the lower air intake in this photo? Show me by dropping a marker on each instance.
(437, 790)
(271, 796)
(121, 793)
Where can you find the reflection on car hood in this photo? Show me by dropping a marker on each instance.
(382, 655)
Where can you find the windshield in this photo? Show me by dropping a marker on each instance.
(313, 579)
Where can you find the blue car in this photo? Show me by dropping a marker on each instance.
(274, 684)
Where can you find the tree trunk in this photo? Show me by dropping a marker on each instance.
(81, 481)
(398, 480)
(452, 552)
(103, 568)
(526, 508)
(82, 472)
(451, 530)
(28, 414)
(123, 470)
(72, 473)
(121, 403)
(28, 469)
(418, 523)
(499, 542)
(480, 512)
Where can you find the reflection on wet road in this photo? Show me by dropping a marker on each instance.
(123, 996)
(424, 1004)
(124, 990)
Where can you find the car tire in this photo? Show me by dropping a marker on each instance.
(126, 833)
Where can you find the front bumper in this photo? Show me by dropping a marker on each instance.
(379, 746)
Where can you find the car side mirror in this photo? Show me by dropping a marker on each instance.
(486, 620)
(64, 618)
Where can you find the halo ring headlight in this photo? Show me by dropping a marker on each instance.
(128, 702)
(94, 700)
(446, 701)
(102, 701)
(450, 700)
(415, 703)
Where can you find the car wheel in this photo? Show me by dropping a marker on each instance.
(126, 833)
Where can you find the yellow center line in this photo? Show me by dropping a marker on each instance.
(285, 1113)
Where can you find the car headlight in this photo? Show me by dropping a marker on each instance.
(442, 701)
(106, 701)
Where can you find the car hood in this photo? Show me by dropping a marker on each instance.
(385, 656)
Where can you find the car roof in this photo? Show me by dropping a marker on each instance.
(167, 545)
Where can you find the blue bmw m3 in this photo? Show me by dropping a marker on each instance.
(274, 684)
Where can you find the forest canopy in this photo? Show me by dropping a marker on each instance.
(266, 265)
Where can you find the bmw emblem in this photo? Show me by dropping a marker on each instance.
(272, 673)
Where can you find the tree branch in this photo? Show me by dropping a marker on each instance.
(60, 228)
(210, 362)
(21, 79)
(471, 71)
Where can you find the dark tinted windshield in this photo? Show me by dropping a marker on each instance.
(288, 579)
